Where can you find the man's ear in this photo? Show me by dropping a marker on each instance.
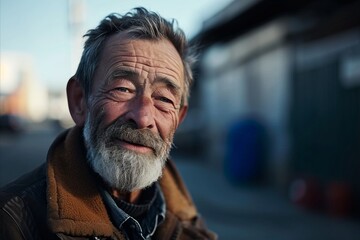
(76, 101)
(182, 113)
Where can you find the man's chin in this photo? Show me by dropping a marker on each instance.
(127, 185)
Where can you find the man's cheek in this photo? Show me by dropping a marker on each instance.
(174, 125)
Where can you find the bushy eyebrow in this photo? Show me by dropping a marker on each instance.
(123, 73)
(119, 73)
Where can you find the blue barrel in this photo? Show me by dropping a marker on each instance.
(245, 151)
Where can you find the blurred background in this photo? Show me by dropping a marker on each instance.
(271, 144)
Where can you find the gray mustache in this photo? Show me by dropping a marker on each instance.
(126, 131)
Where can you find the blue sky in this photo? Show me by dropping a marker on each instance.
(39, 28)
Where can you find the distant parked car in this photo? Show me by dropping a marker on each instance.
(11, 123)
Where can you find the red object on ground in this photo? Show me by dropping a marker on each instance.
(338, 199)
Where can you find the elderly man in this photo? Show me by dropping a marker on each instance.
(109, 177)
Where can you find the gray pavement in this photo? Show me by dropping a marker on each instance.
(256, 212)
(234, 212)
(20, 153)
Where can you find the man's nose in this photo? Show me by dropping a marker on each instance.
(142, 112)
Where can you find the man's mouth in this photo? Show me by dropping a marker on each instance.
(137, 147)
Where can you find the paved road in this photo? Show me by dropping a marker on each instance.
(251, 213)
(23, 152)
(257, 213)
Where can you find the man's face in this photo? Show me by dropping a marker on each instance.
(133, 110)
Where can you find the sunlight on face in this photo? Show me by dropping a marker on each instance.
(133, 110)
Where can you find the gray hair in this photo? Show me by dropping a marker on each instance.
(138, 23)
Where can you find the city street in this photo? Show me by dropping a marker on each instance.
(234, 212)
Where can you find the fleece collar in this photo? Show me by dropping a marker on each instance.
(75, 206)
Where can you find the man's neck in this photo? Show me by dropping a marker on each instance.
(130, 197)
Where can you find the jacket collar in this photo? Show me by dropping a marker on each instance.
(75, 205)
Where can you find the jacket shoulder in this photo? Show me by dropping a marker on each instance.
(22, 205)
(23, 185)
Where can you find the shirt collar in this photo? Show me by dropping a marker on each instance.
(147, 225)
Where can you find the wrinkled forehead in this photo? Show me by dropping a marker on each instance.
(156, 55)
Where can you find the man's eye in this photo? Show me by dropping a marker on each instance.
(165, 100)
(123, 89)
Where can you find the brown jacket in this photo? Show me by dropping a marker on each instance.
(60, 200)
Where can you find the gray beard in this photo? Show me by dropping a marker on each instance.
(121, 168)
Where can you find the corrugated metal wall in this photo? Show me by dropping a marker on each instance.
(325, 120)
